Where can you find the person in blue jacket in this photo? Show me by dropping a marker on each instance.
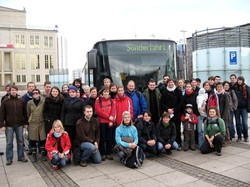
(138, 100)
(126, 135)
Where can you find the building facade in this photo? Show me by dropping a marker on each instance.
(26, 54)
(219, 51)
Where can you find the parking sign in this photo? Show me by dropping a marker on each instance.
(233, 57)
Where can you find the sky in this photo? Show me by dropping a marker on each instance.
(84, 22)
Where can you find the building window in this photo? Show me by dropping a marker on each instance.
(49, 62)
(46, 77)
(18, 78)
(20, 61)
(35, 78)
(20, 41)
(23, 78)
(35, 61)
(48, 42)
(46, 61)
(34, 41)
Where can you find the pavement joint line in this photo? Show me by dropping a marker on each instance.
(241, 145)
(203, 174)
(5, 170)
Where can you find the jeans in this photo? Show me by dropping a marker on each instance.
(241, 117)
(200, 130)
(9, 133)
(160, 146)
(89, 151)
(57, 160)
(231, 127)
(145, 147)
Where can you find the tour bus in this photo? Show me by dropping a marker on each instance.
(136, 59)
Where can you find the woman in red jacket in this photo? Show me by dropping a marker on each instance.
(58, 145)
(104, 108)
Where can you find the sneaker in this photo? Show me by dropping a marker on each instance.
(55, 167)
(218, 154)
(9, 162)
(103, 157)
(246, 140)
(109, 157)
(83, 163)
(22, 160)
(238, 140)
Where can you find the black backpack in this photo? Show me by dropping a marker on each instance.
(136, 158)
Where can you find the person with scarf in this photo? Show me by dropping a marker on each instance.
(172, 102)
(36, 125)
(58, 145)
(52, 108)
(242, 91)
(214, 132)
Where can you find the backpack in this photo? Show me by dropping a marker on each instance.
(136, 158)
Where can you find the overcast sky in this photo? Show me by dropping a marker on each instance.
(86, 22)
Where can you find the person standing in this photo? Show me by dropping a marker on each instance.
(88, 137)
(36, 125)
(13, 117)
(104, 107)
(78, 84)
(52, 108)
(172, 102)
(153, 96)
(47, 88)
(72, 110)
(138, 100)
(28, 96)
(7, 89)
(242, 91)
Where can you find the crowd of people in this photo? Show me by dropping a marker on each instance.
(89, 123)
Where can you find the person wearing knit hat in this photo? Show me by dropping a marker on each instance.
(72, 88)
(189, 121)
(242, 91)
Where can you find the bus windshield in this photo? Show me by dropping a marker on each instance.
(137, 60)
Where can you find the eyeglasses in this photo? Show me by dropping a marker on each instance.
(34, 93)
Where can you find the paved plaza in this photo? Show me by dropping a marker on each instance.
(189, 168)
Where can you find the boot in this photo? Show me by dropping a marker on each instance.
(34, 155)
(43, 154)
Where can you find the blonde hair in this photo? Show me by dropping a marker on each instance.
(58, 123)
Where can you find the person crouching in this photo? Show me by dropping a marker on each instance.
(58, 145)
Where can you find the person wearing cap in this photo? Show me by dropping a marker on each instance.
(189, 121)
(242, 91)
(166, 134)
(72, 110)
(13, 118)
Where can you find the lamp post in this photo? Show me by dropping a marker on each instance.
(184, 54)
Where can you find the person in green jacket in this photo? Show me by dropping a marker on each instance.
(214, 132)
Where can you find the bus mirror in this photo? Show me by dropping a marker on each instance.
(92, 58)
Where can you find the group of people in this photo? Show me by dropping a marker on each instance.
(60, 122)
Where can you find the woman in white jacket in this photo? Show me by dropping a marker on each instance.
(201, 104)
